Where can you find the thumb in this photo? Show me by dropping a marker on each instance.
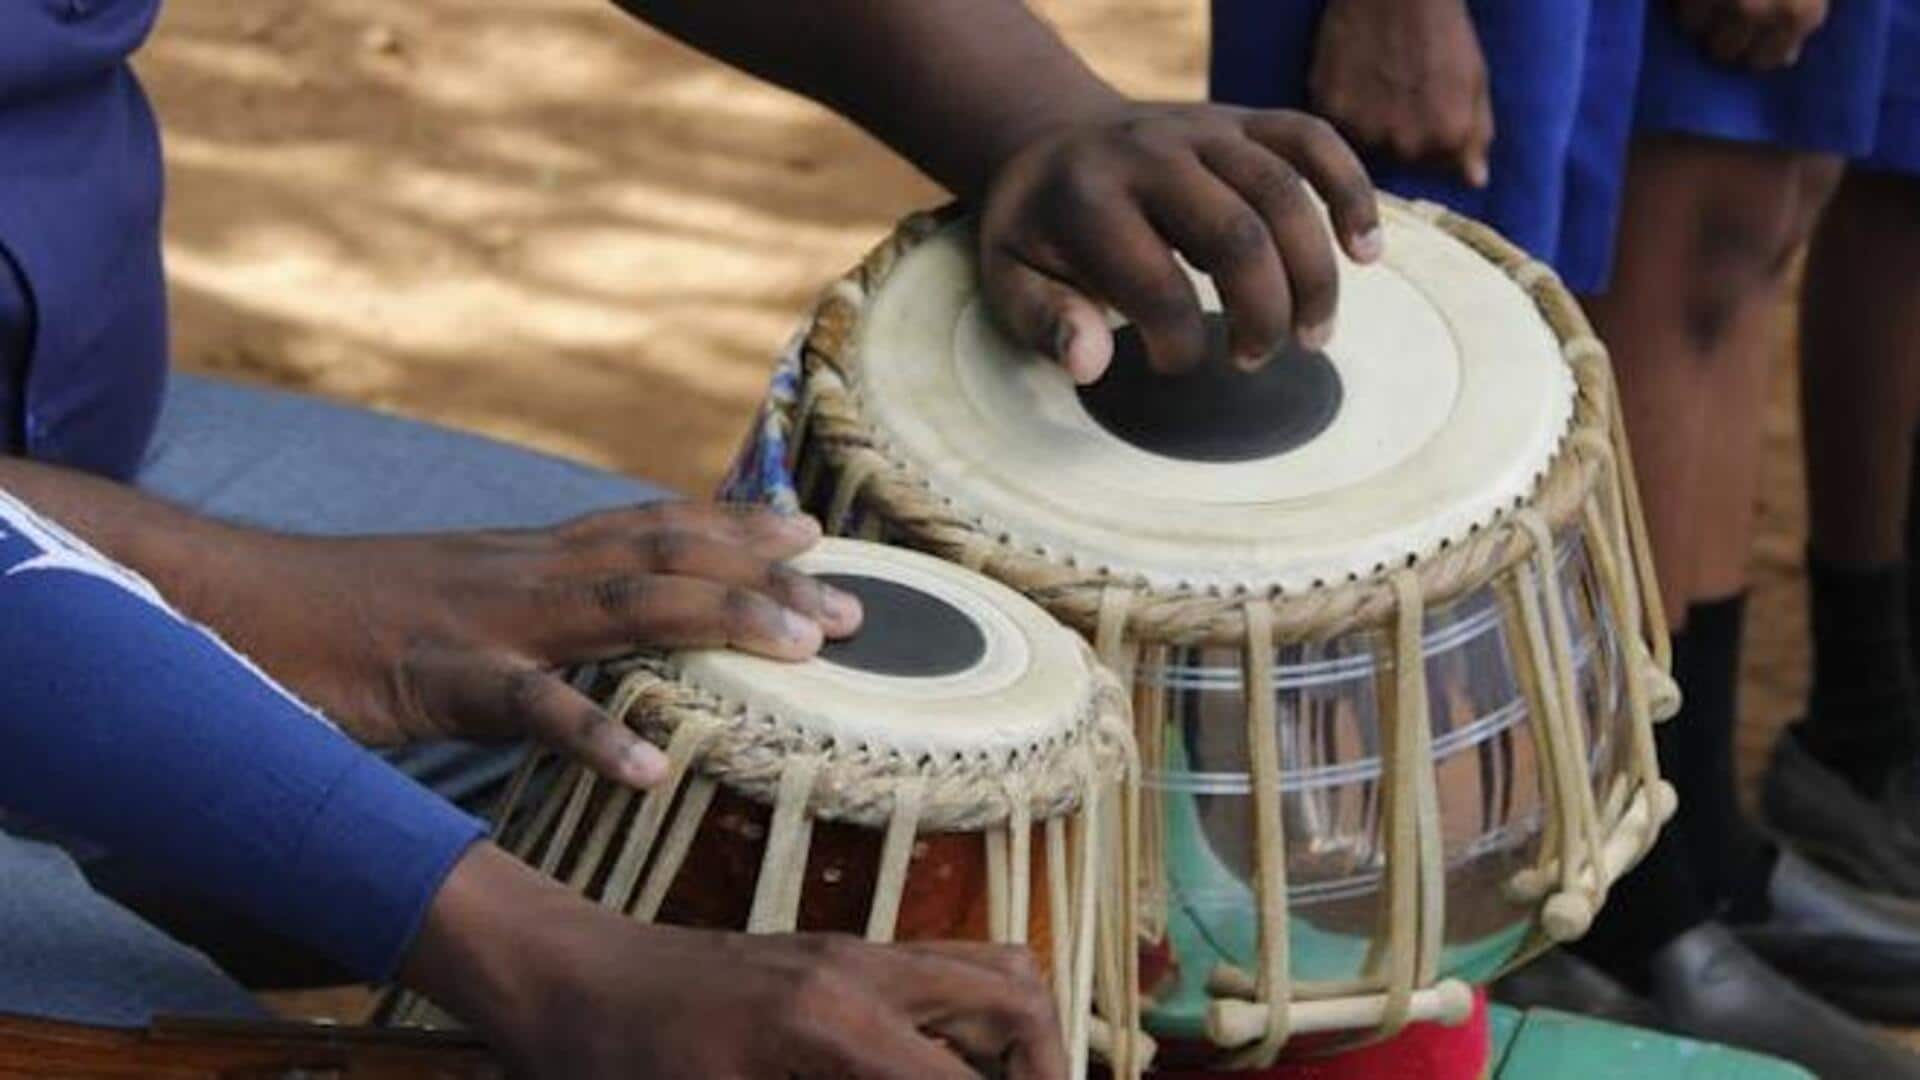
(1048, 316)
(539, 704)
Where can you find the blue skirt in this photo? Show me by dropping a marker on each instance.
(1572, 80)
(1896, 144)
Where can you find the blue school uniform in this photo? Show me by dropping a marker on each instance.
(1896, 142)
(1562, 73)
(1572, 80)
(1828, 102)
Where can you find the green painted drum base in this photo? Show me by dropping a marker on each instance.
(1542, 1044)
(1211, 921)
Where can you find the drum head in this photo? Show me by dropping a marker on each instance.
(946, 663)
(1440, 400)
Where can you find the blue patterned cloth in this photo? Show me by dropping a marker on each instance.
(762, 472)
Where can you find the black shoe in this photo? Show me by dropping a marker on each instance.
(1557, 979)
(1873, 843)
(1855, 949)
(1710, 986)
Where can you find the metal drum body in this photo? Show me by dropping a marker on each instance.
(1392, 681)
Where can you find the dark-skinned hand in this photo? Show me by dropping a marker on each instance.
(1407, 80)
(403, 639)
(1088, 215)
(565, 988)
(1759, 35)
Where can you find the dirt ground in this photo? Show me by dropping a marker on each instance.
(535, 220)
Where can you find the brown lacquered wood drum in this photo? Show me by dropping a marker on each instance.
(961, 769)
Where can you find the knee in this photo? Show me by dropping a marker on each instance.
(1747, 234)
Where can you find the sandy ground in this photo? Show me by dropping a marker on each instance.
(533, 219)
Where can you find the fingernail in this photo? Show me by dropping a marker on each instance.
(1369, 245)
(804, 526)
(643, 765)
(1063, 335)
(1088, 356)
(1477, 173)
(1316, 336)
(800, 629)
(1249, 361)
(843, 608)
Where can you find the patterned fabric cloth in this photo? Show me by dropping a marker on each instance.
(762, 470)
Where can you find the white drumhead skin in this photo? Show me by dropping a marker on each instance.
(1031, 685)
(1455, 399)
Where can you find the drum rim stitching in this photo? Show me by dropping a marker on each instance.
(1188, 616)
(857, 784)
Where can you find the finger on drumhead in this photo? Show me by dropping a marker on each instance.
(684, 612)
(1320, 154)
(547, 708)
(1047, 315)
(1278, 193)
(1234, 242)
(685, 553)
(1130, 265)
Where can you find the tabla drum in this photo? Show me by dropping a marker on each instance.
(1387, 609)
(960, 769)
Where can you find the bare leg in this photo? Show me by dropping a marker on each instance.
(1860, 397)
(1860, 376)
(1707, 233)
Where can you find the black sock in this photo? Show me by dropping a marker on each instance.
(1913, 552)
(1661, 898)
(1730, 857)
(1863, 717)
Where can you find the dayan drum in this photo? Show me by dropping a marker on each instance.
(1387, 610)
(960, 768)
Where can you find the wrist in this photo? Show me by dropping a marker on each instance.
(1082, 98)
(478, 953)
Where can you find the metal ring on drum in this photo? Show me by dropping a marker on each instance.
(1384, 608)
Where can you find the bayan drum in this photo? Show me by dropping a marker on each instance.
(1387, 609)
(959, 769)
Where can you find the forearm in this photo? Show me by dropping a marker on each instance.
(955, 86)
(123, 723)
(478, 947)
(180, 552)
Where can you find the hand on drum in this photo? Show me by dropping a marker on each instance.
(1089, 214)
(1760, 35)
(405, 639)
(566, 988)
(1408, 80)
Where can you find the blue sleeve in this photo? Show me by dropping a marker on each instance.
(124, 723)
